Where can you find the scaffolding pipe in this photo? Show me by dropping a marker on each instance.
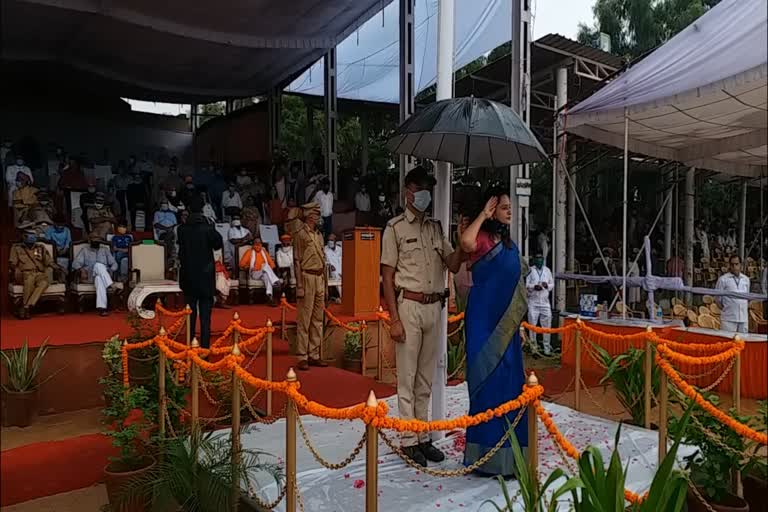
(559, 188)
(406, 83)
(690, 200)
(515, 87)
(668, 224)
(624, 219)
(571, 236)
(743, 221)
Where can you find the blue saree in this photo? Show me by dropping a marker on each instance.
(496, 307)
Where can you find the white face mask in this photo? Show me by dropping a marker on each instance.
(382, 199)
(332, 244)
(236, 223)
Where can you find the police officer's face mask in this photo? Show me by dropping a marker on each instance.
(421, 200)
(30, 239)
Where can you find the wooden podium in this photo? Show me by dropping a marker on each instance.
(360, 268)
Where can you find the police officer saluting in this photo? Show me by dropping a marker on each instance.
(415, 254)
(29, 261)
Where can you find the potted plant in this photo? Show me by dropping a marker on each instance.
(720, 451)
(141, 362)
(20, 392)
(353, 350)
(131, 429)
(196, 475)
(755, 472)
(627, 374)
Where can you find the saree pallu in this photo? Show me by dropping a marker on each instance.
(497, 305)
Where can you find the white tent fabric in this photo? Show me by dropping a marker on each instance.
(368, 60)
(699, 99)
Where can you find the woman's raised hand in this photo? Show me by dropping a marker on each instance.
(490, 208)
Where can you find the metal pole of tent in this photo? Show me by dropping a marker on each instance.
(624, 219)
(559, 189)
(442, 203)
(406, 83)
(668, 223)
(331, 118)
(743, 222)
(690, 198)
(515, 87)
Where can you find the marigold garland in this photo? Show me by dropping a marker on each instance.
(696, 348)
(285, 304)
(713, 411)
(699, 360)
(549, 330)
(167, 312)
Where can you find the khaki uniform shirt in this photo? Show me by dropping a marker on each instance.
(30, 259)
(416, 248)
(25, 197)
(308, 249)
(103, 227)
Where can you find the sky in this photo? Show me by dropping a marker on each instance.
(549, 17)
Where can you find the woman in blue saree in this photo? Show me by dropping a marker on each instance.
(496, 307)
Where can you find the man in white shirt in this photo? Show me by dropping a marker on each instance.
(284, 259)
(363, 200)
(539, 283)
(236, 236)
(734, 315)
(324, 198)
(333, 258)
(543, 241)
(11, 173)
(230, 201)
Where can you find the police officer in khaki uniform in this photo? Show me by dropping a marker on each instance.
(415, 254)
(29, 261)
(309, 266)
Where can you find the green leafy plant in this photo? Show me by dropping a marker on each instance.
(23, 373)
(627, 374)
(756, 460)
(131, 429)
(720, 450)
(353, 344)
(196, 474)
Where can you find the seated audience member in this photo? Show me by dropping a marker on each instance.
(100, 218)
(231, 202)
(172, 182)
(121, 244)
(72, 177)
(87, 200)
(174, 201)
(164, 223)
(136, 195)
(222, 280)
(208, 211)
(250, 216)
(24, 198)
(236, 236)
(12, 176)
(61, 238)
(243, 180)
(45, 205)
(333, 258)
(29, 262)
(40, 214)
(95, 263)
(260, 266)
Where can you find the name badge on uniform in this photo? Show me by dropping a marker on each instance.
(411, 241)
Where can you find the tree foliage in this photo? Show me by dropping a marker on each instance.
(637, 26)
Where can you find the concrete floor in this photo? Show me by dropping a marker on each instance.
(90, 499)
(53, 427)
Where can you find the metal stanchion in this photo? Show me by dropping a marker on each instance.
(363, 329)
(194, 384)
(126, 388)
(282, 318)
(647, 389)
(379, 347)
(161, 392)
(371, 461)
(577, 382)
(737, 487)
(189, 324)
(533, 433)
(290, 449)
(269, 365)
(663, 405)
(235, 434)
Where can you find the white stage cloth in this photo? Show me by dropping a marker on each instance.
(403, 489)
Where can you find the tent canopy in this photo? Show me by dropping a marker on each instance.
(699, 99)
(369, 61)
(178, 51)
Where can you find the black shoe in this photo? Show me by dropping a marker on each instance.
(431, 453)
(103, 312)
(415, 454)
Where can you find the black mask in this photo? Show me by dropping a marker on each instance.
(95, 245)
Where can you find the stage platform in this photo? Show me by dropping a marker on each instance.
(406, 490)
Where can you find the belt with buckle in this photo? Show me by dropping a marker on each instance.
(423, 298)
(313, 272)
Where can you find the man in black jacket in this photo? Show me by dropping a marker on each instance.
(197, 274)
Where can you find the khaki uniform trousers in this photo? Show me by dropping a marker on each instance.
(35, 283)
(416, 360)
(309, 321)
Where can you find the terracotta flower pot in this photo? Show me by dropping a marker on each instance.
(731, 503)
(353, 365)
(755, 492)
(116, 480)
(140, 369)
(20, 408)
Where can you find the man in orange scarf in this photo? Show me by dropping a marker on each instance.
(259, 265)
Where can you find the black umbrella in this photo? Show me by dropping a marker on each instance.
(469, 131)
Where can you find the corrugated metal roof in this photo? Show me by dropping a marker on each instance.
(566, 45)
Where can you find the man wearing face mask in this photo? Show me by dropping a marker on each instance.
(87, 200)
(237, 235)
(121, 244)
(324, 197)
(136, 196)
(333, 259)
(164, 223)
(61, 238)
(260, 267)
(284, 260)
(24, 198)
(231, 202)
(415, 254)
(100, 217)
(95, 264)
(363, 200)
(540, 283)
(11, 176)
(29, 262)
(384, 212)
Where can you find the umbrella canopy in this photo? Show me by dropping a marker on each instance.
(471, 131)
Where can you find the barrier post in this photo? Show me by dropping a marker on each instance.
(363, 330)
(371, 461)
(235, 433)
(737, 488)
(127, 387)
(269, 365)
(663, 405)
(194, 384)
(290, 449)
(577, 385)
(161, 393)
(189, 324)
(533, 433)
(282, 318)
(647, 388)
(379, 348)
